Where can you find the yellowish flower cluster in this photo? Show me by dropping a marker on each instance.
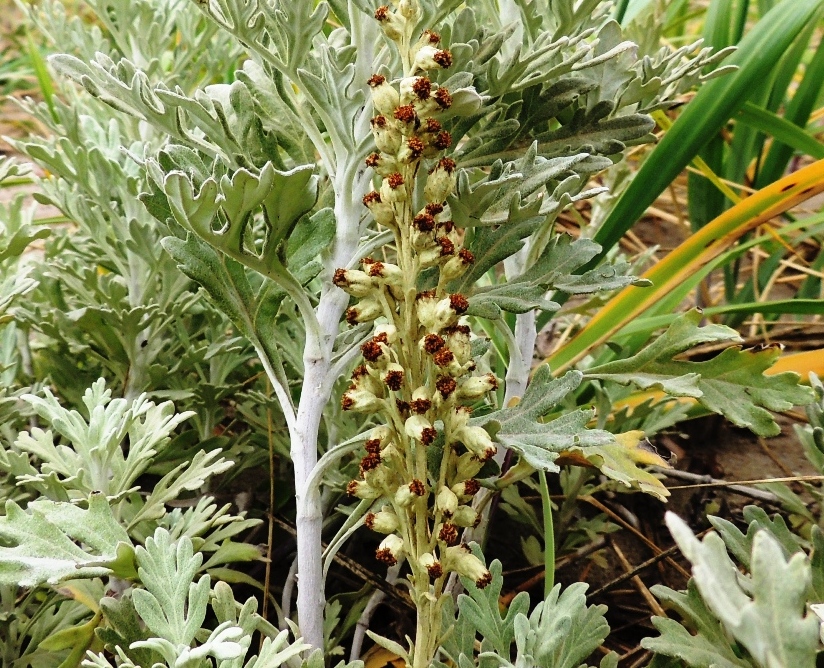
(418, 373)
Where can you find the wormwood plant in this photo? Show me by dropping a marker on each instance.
(401, 168)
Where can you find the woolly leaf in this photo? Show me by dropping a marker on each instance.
(568, 436)
(562, 631)
(481, 611)
(766, 614)
(732, 383)
(707, 645)
(40, 543)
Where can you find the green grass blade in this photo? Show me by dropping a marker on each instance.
(797, 112)
(783, 130)
(714, 104)
(42, 73)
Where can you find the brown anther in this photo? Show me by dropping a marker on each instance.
(447, 165)
(382, 13)
(372, 198)
(415, 146)
(394, 380)
(442, 141)
(379, 121)
(457, 329)
(426, 294)
(422, 88)
(395, 181)
(373, 160)
(435, 570)
(406, 114)
(374, 445)
(359, 371)
(385, 555)
(352, 487)
(443, 98)
(484, 581)
(370, 462)
(434, 209)
(375, 269)
(428, 435)
(466, 256)
(443, 58)
(424, 222)
(369, 520)
(417, 487)
(448, 226)
(432, 125)
(446, 386)
(339, 277)
(432, 36)
(420, 406)
(346, 402)
(402, 406)
(447, 247)
(471, 487)
(443, 357)
(352, 316)
(367, 261)
(459, 303)
(383, 337)
(432, 343)
(448, 533)
(376, 80)
(371, 350)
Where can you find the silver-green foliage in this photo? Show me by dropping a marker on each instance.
(757, 620)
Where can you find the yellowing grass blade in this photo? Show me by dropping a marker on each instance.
(802, 363)
(701, 248)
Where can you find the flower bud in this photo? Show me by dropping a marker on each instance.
(387, 136)
(385, 521)
(408, 494)
(421, 400)
(361, 489)
(429, 57)
(456, 266)
(390, 331)
(363, 380)
(384, 272)
(354, 282)
(442, 313)
(457, 419)
(446, 501)
(457, 338)
(411, 150)
(419, 428)
(391, 23)
(393, 189)
(477, 441)
(461, 560)
(410, 10)
(467, 489)
(441, 181)
(385, 98)
(380, 210)
(393, 376)
(360, 401)
(465, 516)
(390, 549)
(428, 561)
(366, 310)
(415, 89)
(468, 466)
(477, 387)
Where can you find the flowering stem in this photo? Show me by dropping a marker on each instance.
(549, 536)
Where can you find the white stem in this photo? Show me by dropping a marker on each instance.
(315, 395)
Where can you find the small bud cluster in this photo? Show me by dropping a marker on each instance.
(417, 373)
